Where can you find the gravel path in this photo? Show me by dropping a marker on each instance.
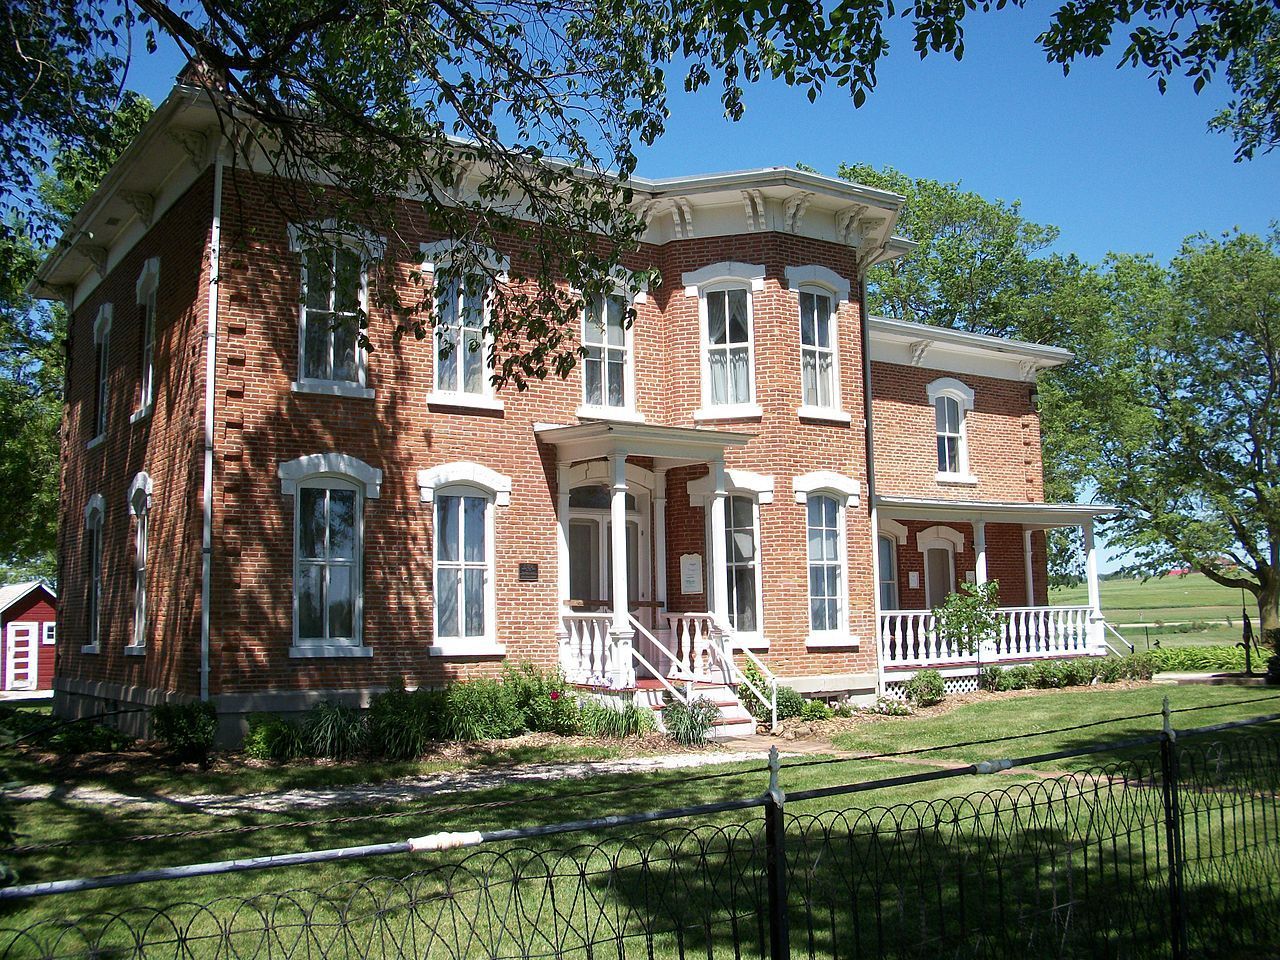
(391, 791)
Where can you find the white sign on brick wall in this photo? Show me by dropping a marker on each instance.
(691, 573)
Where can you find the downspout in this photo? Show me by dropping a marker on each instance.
(210, 356)
(871, 471)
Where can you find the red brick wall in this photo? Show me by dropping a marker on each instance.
(1002, 432)
(35, 608)
(166, 445)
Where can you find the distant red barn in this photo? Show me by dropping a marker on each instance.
(28, 612)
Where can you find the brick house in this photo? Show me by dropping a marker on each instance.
(256, 511)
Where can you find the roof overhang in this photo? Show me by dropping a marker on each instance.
(15, 593)
(1032, 516)
(668, 446)
(942, 348)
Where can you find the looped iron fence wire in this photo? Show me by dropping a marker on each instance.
(1171, 851)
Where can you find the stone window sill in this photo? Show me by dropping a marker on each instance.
(830, 414)
(730, 411)
(957, 479)
(464, 401)
(96, 441)
(831, 641)
(307, 651)
(467, 648)
(140, 414)
(135, 651)
(621, 414)
(89, 648)
(333, 388)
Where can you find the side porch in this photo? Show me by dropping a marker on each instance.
(927, 548)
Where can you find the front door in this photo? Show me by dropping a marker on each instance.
(591, 563)
(939, 576)
(21, 656)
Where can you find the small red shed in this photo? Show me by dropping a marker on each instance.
(28, 615)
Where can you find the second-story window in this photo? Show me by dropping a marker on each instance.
(729, 347)
(947, 420)
(333, 292)
(461, 363)
(147, 284)
(817, 350)
(605, 370)
(951, 401)
(102, 363)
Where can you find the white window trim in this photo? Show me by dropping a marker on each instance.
(714, 278)
(840, 637)
(320, 470)
(937, 543)
(629, 412)
(892, 528)
(963, 395)
(487, 645)
(368, 247)
(438, 254)
(464, 473)
(812, 274)
(754, 639)
(938, 534)
(48, 632)
(94, 514)
(808, 411)
(756, 485)
(101, 375)
(146, 290)
(844, 489)
(139, 505)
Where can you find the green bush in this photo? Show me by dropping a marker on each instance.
(690, 724)
(272, 737)
(1216, 657)
(1046, 675)
(600, 720)
(1019, 678)
(1111, 669)
(334, 731)
(401, 723)
(1138, 666)
(544, 699)
(925, 689)
(790, 703)
(480, 710)
(991, 679)
(815, 710)
(187, 729)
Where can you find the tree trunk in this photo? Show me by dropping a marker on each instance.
(1269, 615)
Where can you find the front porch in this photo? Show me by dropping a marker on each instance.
(927, 548)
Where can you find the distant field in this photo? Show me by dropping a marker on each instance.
(1167, 600)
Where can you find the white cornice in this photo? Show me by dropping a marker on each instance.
(957, 351)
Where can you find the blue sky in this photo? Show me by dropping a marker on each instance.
(1099, 153)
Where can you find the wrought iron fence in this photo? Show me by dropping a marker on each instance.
(1172, 851)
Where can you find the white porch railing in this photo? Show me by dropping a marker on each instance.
(590, 655)
(909, 639)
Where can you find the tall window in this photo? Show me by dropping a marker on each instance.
(948, 420)
(102, 360)
(817, 350)
(604, 335)
(147, 284)
(888, 548)
(463, 553)
(461, 363)
(93, 561)
(327, 561)
(140, 507)
(743, 557)
(333, 291)
(729, 347)
(826, 565)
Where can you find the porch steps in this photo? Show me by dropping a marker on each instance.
(734, 720)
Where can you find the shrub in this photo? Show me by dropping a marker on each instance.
(1207, 657)
(1138, 666)
(187, 729)
(750, 702)
(544, 700)
(272, 737)
(600, 720)
(1111, 669)
(334, 731)
(888, 707)
(1018, 678)
(690, 724)
(815, 710)
(790, 703)
(844, 709)
(991, 679)
(1046, 675)
(400, 724)
(480, 710)
(925, 689)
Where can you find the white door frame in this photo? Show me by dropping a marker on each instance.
(10, 650)
(640, 517)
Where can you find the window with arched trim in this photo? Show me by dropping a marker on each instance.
(819, 370)
(463, 558)
(825, 522)
(148, 283)
(102, 365)
(606, 369)
(951, 401)
(729, 348)
(140, 510)
(462, 363)
(93, 517)
(327, 561)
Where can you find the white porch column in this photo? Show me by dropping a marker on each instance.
(718, 575)
(622, 668)
(980, 551)
(1028, 568)
(660, 538)
(562, 538)
(1091, 578)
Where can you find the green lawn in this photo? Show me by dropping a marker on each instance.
(700, 890)
(1190, 597)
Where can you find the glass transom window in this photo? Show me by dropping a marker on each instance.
(333, 289)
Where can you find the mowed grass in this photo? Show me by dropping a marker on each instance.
(1171, 598)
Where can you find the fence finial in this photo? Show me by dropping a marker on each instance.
(1166, 713)
(775, 766)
